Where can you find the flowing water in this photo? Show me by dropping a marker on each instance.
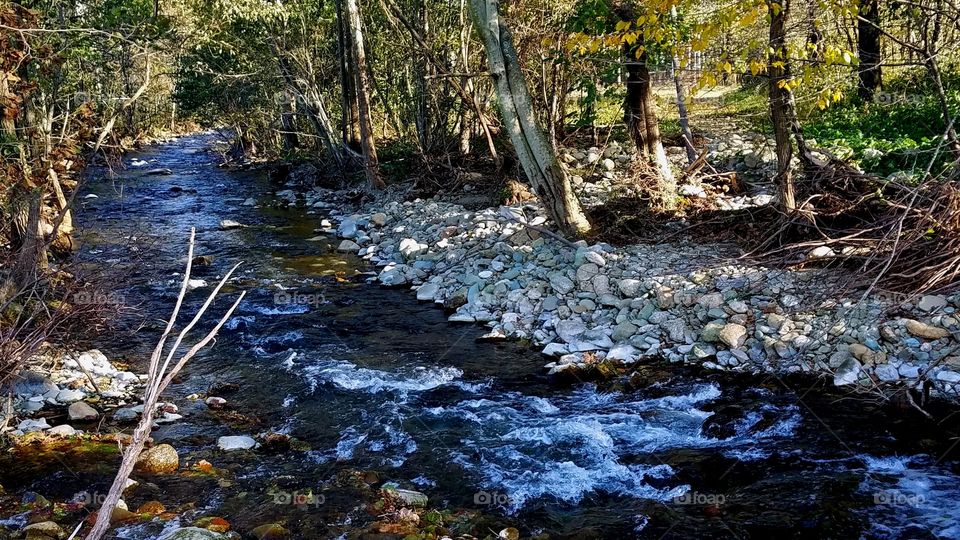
(373, 381)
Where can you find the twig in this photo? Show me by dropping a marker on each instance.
(157, 381)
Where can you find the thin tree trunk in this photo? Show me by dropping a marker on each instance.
(288, 122)
(685, 131)
(548, 179)
(349, 120)
(933, 70)
(422, 87)
(780, 104)
(640, 117)
(29, 245)
(367, 139)
(868, 50)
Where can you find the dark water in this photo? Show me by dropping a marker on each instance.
(371, 381)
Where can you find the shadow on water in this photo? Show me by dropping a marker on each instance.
(373, 385)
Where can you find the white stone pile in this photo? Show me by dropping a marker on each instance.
(684, 303)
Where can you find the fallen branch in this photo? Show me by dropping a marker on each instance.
(158, 378)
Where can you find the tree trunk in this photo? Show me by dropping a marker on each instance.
(953, 141)
(781, 104)
(367, 140)
(548, 179)
(28, 243)
(288, 122)
(349, 119)
(685, 131)
(931, 52)
(640, 117)
(868, 49)
(422, 88)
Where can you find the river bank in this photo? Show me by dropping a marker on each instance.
(686, 303)
(359, 396)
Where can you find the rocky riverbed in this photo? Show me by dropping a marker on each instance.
(686, 303)
(332, 407)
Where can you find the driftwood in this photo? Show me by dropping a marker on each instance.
(159, 377)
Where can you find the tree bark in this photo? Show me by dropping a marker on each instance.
(367, 140)
(640, 117)
(288, 122)
(868, 50)
(349, 118)
(547, 177)
(682, 111)
(782, 106)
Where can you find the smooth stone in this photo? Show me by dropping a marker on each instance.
(428, 291)
(29, 425)
(733, 335)
(562, 284)
(886, 373)
(30, 383)
(570, 329)
(192, 533)
(629, 287)
(230, 443)
(348, 246)
(125, 414)
(925, 331)
(82, 412)
(69, 395)
(930, 302)
(227, 224)
(847, 373)
(622, 352)
(63, 430)
(160, 459)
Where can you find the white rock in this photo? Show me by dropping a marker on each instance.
(63, 430)
(555, 349)
(847, 373)
(348, 246)
(227, 224)
(69, 395)
(595, 258)
(821, 252)
(236, 442)
(886, 373)
(29, 425)
(427, 291)
(570, 329)
(623, 352)
(196, 284)
(410, 248)
(930, 302)
(948, 376)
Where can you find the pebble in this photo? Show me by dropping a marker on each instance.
(236, 442)
(81, 412)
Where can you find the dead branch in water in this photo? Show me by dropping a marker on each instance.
(159, 377)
